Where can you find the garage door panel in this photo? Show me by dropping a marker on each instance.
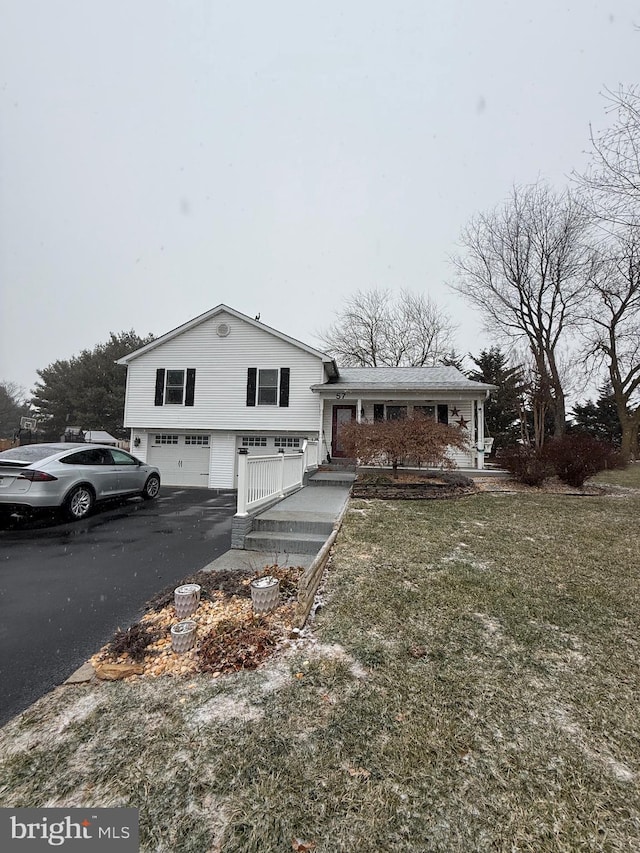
(181, 463)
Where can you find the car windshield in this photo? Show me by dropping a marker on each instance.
(29, 453)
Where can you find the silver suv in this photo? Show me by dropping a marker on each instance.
(71, 476)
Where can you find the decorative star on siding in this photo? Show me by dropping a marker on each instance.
(454, 411)
(462, 423)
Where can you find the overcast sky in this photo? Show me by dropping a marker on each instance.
(159, 157)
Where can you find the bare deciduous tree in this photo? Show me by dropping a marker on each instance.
(376, 328)
(611, 182)
(524, 269)
(613, 328)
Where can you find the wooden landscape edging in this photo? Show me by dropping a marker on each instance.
(311, 577)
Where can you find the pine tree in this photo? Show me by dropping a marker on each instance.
(599, 418)
(502, 409)
(87, 390)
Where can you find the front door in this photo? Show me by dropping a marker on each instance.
(341, 415)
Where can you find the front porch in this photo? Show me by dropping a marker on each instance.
(386, 393)
(467, 413)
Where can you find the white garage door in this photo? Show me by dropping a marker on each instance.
(183, 460)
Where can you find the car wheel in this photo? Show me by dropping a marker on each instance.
(79, 503)
(151, 488)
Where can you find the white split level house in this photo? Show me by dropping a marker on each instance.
(223, 383)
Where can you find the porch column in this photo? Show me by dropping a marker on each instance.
(480, 408)
(359, 411)
(320, 458)
(243, 481)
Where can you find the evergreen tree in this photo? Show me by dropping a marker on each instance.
(502, 409)
(87, 390)
(600, 418)
(453, 359)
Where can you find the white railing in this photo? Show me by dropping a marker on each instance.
(263, 478)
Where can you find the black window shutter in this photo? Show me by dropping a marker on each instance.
(252, 379)
(159, 386)
(190, 389)
(285, 373)
(378, 411)
(443, 413)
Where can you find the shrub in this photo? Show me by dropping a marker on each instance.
(578, 456)
(236, 644)
(228, 581)
(135, 640)
(289, 577)
(527, 464)
(416, 440)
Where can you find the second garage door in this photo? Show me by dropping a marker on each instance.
(183, 460)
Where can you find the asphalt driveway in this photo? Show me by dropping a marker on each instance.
(66, 587)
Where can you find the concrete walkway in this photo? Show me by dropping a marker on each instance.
(302, 522)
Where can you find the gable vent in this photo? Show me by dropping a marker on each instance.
(223, 330)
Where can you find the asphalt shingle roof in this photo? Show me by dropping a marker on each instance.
(409, 378)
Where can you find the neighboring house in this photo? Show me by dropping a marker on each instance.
(222, 382)
(100, 436)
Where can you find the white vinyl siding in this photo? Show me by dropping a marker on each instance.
(221, 365)
(223, 461)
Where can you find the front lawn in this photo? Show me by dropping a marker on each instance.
(471, 683)
(628, 477)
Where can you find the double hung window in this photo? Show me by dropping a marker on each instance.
(175, 387)
(268, 386)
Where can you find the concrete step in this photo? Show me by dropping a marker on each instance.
(292, 525)
(290, 543)
(346, 465)
(332, 478)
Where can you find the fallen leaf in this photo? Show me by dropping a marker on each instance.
(418, 652)
(358, 772)
(301, 846)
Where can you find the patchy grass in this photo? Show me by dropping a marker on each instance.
(471, 684)
(628, 477)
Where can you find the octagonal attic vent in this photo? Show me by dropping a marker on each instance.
(223, 330)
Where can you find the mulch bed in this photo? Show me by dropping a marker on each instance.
(229, 636)
(408, 487)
